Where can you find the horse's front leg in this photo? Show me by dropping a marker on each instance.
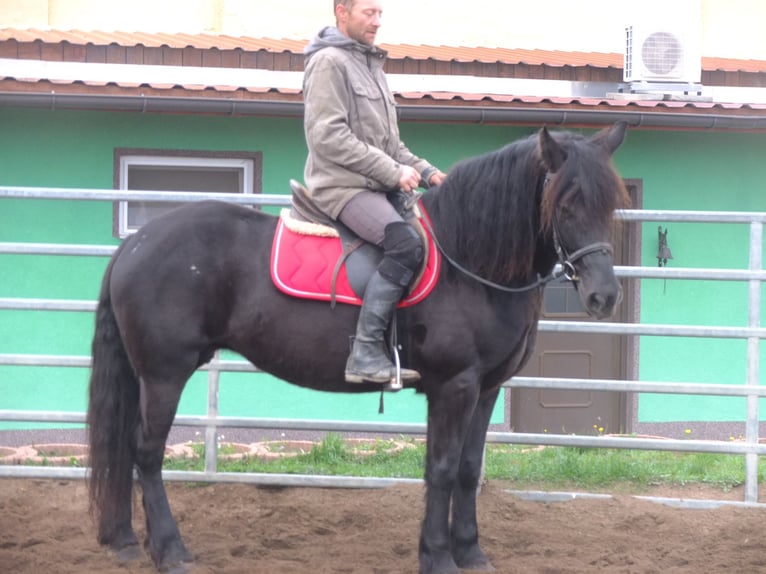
(163, 540)
(450, 410)
(464, 529)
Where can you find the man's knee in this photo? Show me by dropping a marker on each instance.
(402, 253)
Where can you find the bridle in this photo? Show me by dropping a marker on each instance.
(566, 259)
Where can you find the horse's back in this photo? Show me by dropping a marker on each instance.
(195, 241)
(177, 278)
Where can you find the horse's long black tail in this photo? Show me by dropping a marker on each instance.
(112, 418)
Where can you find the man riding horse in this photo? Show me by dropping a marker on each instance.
(355, 157)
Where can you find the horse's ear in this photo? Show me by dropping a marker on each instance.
(611, 138)
(552, 153)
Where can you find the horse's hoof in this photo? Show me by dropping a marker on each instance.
(176, 560)
(181, 565)
(178, 568)
(128, 553)
(439, 566)
(474, 559)
(483, 567)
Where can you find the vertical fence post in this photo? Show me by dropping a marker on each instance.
(753, 361)
(211, 430)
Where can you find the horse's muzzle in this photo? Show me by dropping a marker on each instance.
(601, 304)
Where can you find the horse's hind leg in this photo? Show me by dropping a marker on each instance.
(116, 530)
(159, 400)
(464, 530)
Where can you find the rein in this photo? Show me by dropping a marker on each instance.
(567, 260)
(539, 282)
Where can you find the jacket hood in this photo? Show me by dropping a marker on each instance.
(331, 36)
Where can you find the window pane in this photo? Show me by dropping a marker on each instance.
(185, 178)
(574, 305)
(555, 299)
(562, 298)
(177, 178)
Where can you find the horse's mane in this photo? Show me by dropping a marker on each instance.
(587, 182)
(492, 213)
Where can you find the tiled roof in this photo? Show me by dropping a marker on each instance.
(553, 58)
(201, 41)
(32, 66)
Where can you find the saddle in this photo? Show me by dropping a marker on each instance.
(315, 257)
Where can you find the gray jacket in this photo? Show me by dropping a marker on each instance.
(350, 122)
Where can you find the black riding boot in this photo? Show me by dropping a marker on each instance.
(369, 361)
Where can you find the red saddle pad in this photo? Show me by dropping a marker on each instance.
(302, 266)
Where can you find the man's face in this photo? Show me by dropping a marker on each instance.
(361, 21)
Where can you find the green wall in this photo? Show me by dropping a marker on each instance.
(680, 170)
(698, 171)
(75, 149)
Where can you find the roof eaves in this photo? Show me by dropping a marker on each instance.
(571, 115)
(444, 89)
(552, 58)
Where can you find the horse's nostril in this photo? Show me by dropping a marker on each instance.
(601, 305)
(597, 301)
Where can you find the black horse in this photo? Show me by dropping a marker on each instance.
(197, 280)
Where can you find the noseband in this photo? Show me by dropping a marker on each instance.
(568, 260)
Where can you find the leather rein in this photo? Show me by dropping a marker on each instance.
(566, 259)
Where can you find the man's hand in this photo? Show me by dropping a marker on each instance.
(436, 178)
(409, 179)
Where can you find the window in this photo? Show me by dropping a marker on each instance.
(193, 171)
(561, 298)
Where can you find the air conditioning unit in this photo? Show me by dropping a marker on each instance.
(662, 54)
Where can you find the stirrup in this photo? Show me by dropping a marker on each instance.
(395, 385)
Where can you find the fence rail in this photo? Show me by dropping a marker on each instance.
(753, 333)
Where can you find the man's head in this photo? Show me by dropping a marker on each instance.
(359, 19)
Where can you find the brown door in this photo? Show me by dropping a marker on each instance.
(579, 355)
(570, 355)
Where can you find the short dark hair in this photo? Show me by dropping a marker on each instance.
(346, 3)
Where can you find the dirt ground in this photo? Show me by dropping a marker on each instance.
(241, 529)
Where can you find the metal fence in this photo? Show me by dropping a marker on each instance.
(753, 333)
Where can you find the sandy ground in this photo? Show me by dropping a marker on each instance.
(241, 529)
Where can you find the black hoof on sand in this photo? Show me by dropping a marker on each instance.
(485, 567)
(480, 565)
(128, 553)
(474, 560)
(178, 568)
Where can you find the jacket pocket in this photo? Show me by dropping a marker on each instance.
(368, 91)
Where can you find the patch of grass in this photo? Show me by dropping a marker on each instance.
(591, 468)
(331, 456)
(551, 468)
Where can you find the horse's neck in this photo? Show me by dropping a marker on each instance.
(540, 258)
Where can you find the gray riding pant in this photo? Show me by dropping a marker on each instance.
(367, 215)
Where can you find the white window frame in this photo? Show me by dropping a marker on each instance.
(126, 161)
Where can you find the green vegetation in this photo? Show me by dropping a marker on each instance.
(606, 469)
(527, 467)
(543, 468)
(331, 456)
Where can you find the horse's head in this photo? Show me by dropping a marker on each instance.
(582, 190)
